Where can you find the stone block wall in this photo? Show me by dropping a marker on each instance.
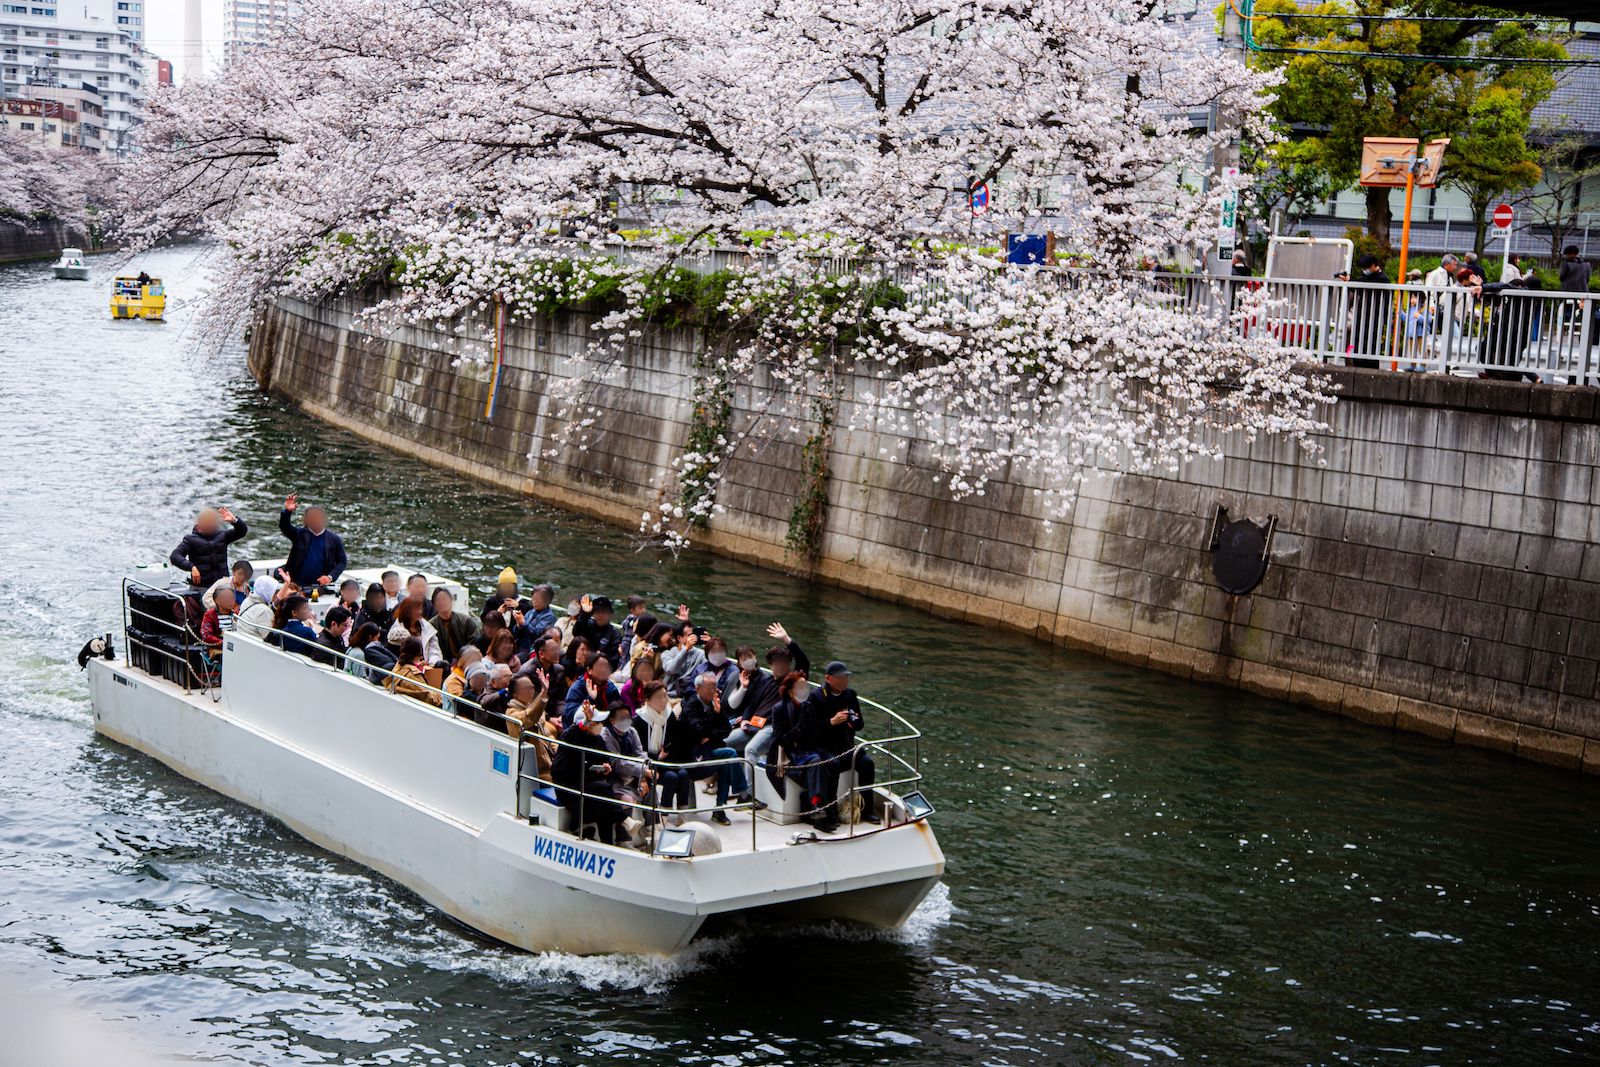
(1433, 569)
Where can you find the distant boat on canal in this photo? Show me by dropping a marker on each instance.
(71, 266)
(138, 297)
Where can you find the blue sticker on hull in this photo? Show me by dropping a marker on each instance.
(502, 762)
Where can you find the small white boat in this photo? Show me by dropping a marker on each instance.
(438, 803)
(71, 265)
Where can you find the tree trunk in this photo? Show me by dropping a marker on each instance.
(1378, 215)
(1480, 223)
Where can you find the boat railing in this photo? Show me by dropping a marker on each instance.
(905, 771)
(183, 667)
(654, 812)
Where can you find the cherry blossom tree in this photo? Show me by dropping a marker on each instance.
(817, 153)
(37, 181)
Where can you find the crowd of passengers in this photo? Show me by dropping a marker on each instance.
(689, 704)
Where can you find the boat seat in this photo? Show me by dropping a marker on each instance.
(786, 809)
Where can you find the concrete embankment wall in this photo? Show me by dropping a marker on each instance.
(22, 240)
(1433, 570)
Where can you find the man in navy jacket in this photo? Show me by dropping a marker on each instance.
(831, 720)
(316, 553)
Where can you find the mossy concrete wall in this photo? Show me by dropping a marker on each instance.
(1433, 570)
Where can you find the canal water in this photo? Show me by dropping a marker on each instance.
(1140, 869)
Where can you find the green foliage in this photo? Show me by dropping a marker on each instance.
(1491, 156)
(809, 518)
(1362, 87)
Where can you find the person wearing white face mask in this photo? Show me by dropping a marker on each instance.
(718, 663)
(752, 733)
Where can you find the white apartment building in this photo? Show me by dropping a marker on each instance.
(80, 44)
(246, 23)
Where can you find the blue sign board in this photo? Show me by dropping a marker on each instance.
(1026, 248)
(502, 762)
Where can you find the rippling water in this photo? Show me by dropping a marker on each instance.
(1139, 868)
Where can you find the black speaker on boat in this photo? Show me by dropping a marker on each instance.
(154, 611)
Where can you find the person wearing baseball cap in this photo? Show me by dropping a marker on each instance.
(581, 769)
(833, 717)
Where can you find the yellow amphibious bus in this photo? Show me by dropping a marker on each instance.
(138, 297)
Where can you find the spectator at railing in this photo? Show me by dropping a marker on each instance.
(673, 786)
(408, 622)
(238, 580)
(203, 551)
(581, 769)
(292, 622)
(219, 619)
(794, 760)
(316, 553)
(456, 629)
(410, 675)
(831, 721)
(695, 734)
(1574, 276)
(1371, 311)
(526, 705)
(630, 778)
(367, 647)
(455, 683)
(1444, 275)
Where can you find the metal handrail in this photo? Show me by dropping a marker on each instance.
(644, 763)
(289, 643)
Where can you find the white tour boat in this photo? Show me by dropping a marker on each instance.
(441, 805)
(71, 265)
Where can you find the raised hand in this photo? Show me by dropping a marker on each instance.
(683, 613)
(587, 603)
(778, 633)
(291, 502)
(227, 515)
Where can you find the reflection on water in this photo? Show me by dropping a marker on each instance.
(1140, 868)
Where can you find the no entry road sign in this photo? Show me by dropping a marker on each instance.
(1502, 216)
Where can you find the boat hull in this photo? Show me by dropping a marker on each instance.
(72, 274)
(422, 798)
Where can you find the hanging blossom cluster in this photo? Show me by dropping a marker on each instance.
(814, 155)
(37, 181)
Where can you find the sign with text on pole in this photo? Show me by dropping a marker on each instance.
(1502, 221)
(978, 195)
(1393, 163)
(1228, 224)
